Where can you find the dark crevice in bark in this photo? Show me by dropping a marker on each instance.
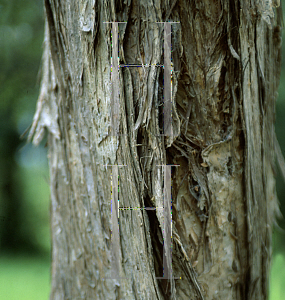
(245, 273)
(96, 31)
(157, 247)
(237, 74)
(160, 102)
(141, 148)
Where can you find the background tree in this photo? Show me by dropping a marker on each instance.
(20, 53)
(226, 66)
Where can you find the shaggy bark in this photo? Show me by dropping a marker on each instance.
(225, 73)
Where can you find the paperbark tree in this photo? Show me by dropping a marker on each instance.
(225, 73)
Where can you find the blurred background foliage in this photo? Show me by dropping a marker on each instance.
(24, 191)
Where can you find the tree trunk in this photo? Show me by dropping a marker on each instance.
(225, 72)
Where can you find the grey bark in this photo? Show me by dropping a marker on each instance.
(226, 69)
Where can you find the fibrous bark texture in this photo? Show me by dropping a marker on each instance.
(225, 73)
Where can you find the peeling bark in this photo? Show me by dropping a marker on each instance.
(226, 68)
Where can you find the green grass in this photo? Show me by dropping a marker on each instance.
(24, 278)
(277, 279)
